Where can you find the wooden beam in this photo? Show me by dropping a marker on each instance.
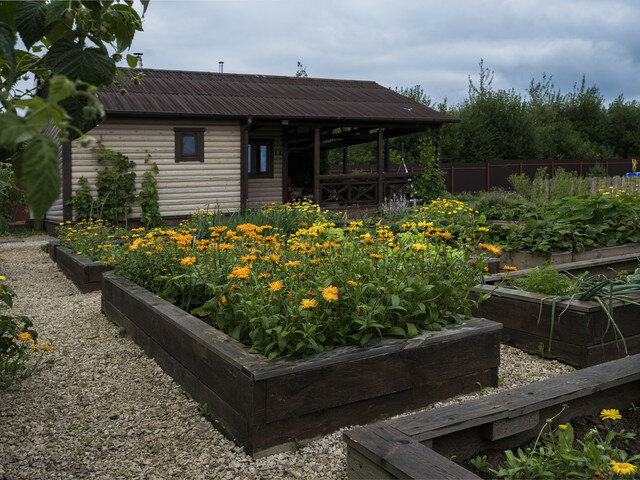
(316, 166)
(67, 209)
(381, 170)
(285, 164)
(244, 163)
(387, 154)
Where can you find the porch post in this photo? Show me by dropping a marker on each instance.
(316, 166)
(244, 163)
(285, 164)
(380, 192)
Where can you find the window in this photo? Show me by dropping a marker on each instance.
(260, 158)
(189, 144)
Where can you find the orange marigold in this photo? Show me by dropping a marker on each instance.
(240, 272)
(188, 261)
(275, 286)
(330, 293)
(308, 303)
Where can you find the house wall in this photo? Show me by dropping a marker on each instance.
(54, 214)
(268, 190)
(182, 187)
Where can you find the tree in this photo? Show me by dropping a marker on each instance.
(302, 70)
(71, 49)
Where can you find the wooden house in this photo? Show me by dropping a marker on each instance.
(228, 141)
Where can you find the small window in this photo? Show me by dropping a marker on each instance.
(260, 158)
(189, 144)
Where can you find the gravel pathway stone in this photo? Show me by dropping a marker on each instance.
(100, 408)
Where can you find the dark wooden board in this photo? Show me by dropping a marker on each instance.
(84, 273)
(400, 455)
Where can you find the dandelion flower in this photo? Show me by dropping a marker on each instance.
(275, 286)
(612, 414)
(620, 468)
(308, 303)
(330, 293)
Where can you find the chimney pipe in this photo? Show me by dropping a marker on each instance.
(220, 64)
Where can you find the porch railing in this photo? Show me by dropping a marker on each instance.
(362, 189)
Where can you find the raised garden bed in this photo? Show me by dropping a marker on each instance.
(419, 445)
(582, 337)
(267, 405)
(523, 260)
(84, 273)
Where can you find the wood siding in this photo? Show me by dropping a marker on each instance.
(182, 187)
(268, 190)
(55, 212)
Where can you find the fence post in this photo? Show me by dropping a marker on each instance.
(488, 175)
(580, 167)
(520, 168)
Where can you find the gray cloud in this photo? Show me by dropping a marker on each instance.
(405, 42)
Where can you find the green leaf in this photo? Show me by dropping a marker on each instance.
(96, 10)
(412, 331)
(395, 331)
(7, 42)
(132, 61)
(60, 87)
(90, 65)
(395, 300)
(145, 5)
(55, 10)
(29, 21)
(13, 130)
(37, 170)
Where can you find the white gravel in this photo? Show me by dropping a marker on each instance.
(102, 409)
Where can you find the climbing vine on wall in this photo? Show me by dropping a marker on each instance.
(148, 198)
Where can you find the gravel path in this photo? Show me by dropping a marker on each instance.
(102, 409)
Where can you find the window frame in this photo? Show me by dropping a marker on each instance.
(252, 157)
(179, 133)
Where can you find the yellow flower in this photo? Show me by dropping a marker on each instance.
(275, 286)
(483, 229)
(308, 303)
(612, 414)
(620, 468)
(562, 427)
(509, 268)
(375, 255)
(24, 336)
(418, 246)
(35, 349)
(47, 347)
(352, 283)
(188, 261)
(292, 263)
(2, 277)
(330, 293)
(224, 300)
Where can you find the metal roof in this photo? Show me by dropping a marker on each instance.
(172, 93)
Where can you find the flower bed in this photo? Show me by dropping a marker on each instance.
(580, 333)
(419, 445)
(266, 405)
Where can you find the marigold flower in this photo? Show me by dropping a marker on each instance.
(240, 272)
(35, 349)
(330, 293)
(188, 261)
(612, 414)
(621, 468)
(47, 347)
(315, 261)
(375, 255)
(292, 263)
(308, 303)
(275, 286)
(352, 283)
(24, 336)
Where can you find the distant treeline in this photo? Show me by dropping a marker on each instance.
(543, 124)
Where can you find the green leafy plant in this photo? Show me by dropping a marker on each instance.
(116, 185)
(11, 196)
(547, 281)
(148, 198)
(72, 48)
(82, 201)
(556, 453)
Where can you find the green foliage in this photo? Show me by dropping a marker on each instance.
(10, 197)
(82, 201)
(563, 184)
(72, 48)
(547, 281)
(301, 70)
(116, 185)
(16, 342)
(573, 224)
(544, 124)
(556, 453)
(597, 170)
(148, 198)
(499, 204)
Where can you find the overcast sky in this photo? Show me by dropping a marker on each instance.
(436, 44)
